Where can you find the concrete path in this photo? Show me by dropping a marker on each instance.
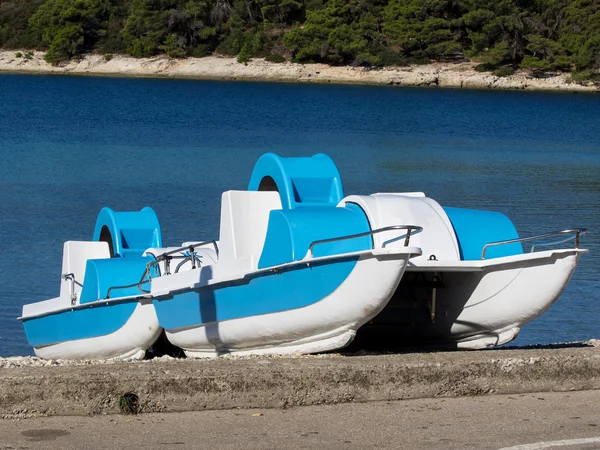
(186, 385)
(568, 420)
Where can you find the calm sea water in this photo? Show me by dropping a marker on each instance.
(70, 146)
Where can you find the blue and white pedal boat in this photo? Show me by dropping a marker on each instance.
(299, 268)
(475, 285)
(293, 270)
(104, 309)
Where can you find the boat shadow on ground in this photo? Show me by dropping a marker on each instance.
(371, 349)
(164, 348)
(547, 346)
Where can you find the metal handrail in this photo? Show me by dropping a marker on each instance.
(576, 231)
(408, 229)
(190, 247)
(71, 277)
(72, 294)
(196, 258)
(138, 284)
(166, 257)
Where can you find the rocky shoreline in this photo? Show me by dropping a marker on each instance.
(15, 362)
(449, 75)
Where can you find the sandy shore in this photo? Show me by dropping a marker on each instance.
(460, 75)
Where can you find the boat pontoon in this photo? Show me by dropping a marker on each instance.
(104, 309)
(474, 286)
(294, 270)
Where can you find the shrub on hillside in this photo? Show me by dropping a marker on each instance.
(504, 71)
(485, 67)
(275, 58)
(585, 76)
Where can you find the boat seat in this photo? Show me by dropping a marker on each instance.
(476, 228)
(291, 233)
(75, 256)
(244, 219)
(120, 274)
(437, 240)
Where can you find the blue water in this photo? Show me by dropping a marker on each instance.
(70, 146)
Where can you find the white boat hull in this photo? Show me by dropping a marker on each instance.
(130, 341)
(481, 304)
(328, 324)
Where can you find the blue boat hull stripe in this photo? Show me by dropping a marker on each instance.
(99, 320)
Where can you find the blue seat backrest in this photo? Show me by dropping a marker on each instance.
(102, 274)
(475, 228)
(308, 181)
(290, 233)
(131, 232)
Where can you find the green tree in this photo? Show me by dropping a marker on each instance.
(15, 31)
(341, 32)
(580, 33)
(546, 54)
(538, 35)
(145, 28)
(424, 29)
(70, 27)
(173, 47)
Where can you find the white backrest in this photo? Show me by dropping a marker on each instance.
(75, 256)
(244, 221)
(414, 208)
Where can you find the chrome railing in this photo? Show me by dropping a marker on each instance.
(172, 254)
(167, 257)
(70, 277)
(408, 228)
(576, 232)
(192, 256)
(138, 284)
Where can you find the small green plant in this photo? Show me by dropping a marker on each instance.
(29, 55)
(585, 76)
(129, 403)
(172, 48)
(18, 54)
(275, 58)
(485, 67)
(108, 57)
(389, 57)
(420, 61)
(201, 51)
(244, 55)
(504, 71)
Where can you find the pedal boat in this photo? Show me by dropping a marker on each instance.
(474, 286)
(104, 309)
(292, 272)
